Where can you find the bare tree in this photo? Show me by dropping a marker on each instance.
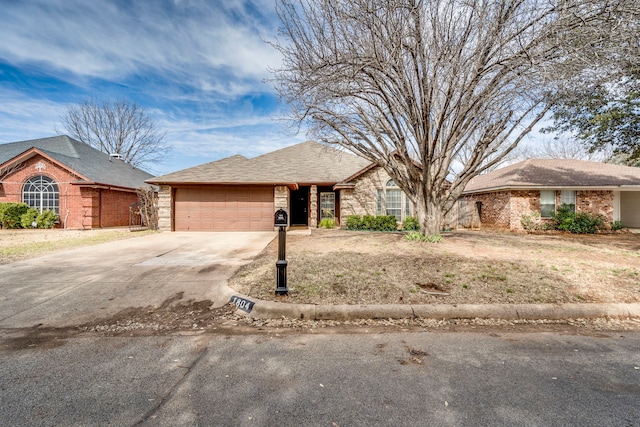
(117, 127)
(148, 206)
(431, 89)
(562, 149)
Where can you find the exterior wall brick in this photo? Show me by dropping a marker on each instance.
(505, 209)
(79, 207)
(523, 202)
(596, 203)
(495, 210)
(363, 198)
(114, 207)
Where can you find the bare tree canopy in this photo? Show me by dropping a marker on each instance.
(431, 89)
(117, 127)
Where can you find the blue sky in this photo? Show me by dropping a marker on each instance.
(196, 66)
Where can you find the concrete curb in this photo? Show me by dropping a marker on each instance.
(273, 310)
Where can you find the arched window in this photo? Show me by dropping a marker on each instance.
(41, 192)
(394, 200)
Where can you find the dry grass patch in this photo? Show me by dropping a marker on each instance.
(21, 244)
(344, 267)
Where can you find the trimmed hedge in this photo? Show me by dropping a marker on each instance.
(372, 223)
(20, 215)
(11, 213)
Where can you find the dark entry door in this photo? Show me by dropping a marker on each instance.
(300, 206)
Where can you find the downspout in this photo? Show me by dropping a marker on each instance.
(100, 208)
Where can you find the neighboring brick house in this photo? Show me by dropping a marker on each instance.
(87, 188)
(503, 196)
(310, 180)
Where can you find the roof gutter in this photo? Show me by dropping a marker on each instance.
(552, 187)
(100, 186)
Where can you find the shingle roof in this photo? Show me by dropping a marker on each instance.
(93, 164)
(556, 173)
(305, 163)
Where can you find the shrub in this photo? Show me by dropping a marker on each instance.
(368, 222)
(532, 222)
(617, 225)
(385, 223)
(47, 219)
(427, 238)
(28, 219)
(327, 223)
(410, 224)
(354, 222)
(10, 214)
(578, 223)
(372, 223)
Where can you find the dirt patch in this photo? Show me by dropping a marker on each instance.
(469, 267)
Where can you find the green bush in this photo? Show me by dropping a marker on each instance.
(386, 223)
(410, 224)
(10, 214)
(327, 223)
(372, 223)
(354, 222)
(368, 222)
(578, 223)
(419, 237)
(47, 219)
(617, 225)
(28, 218)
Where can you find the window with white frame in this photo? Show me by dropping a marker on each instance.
(41, 193)
(568, 198)
(392, 201)
(547, 203)
(327, 205)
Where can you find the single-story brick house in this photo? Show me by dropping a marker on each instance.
(310, 180)
(84, 186)
(503, 196)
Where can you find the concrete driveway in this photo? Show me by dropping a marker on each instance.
(74, 286)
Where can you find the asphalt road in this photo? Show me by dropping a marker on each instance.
(268, 378)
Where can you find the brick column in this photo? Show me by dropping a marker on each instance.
(281, 199)
(164, 208)
(313, 217)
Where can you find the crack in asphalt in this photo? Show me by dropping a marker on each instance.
(174, 389)
(48, 299)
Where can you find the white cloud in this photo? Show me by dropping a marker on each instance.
(25, 118)
(189, 41)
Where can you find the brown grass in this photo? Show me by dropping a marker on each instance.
(345, 267)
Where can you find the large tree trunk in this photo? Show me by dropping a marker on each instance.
(430, 214)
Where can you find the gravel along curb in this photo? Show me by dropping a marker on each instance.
(275, 310)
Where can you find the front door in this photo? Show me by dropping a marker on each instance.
(300, 206)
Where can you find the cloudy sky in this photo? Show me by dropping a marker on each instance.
(196, 66)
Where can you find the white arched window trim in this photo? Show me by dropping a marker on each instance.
(41, 192)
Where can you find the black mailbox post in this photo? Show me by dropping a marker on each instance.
(281, 220)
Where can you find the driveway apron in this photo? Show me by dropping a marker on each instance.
(71, 287)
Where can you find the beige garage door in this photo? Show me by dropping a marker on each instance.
(630, 208)
(224, 208)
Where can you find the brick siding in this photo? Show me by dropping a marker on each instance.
(79, 207)
(505, 209)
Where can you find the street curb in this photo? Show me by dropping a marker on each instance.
(274, 310)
